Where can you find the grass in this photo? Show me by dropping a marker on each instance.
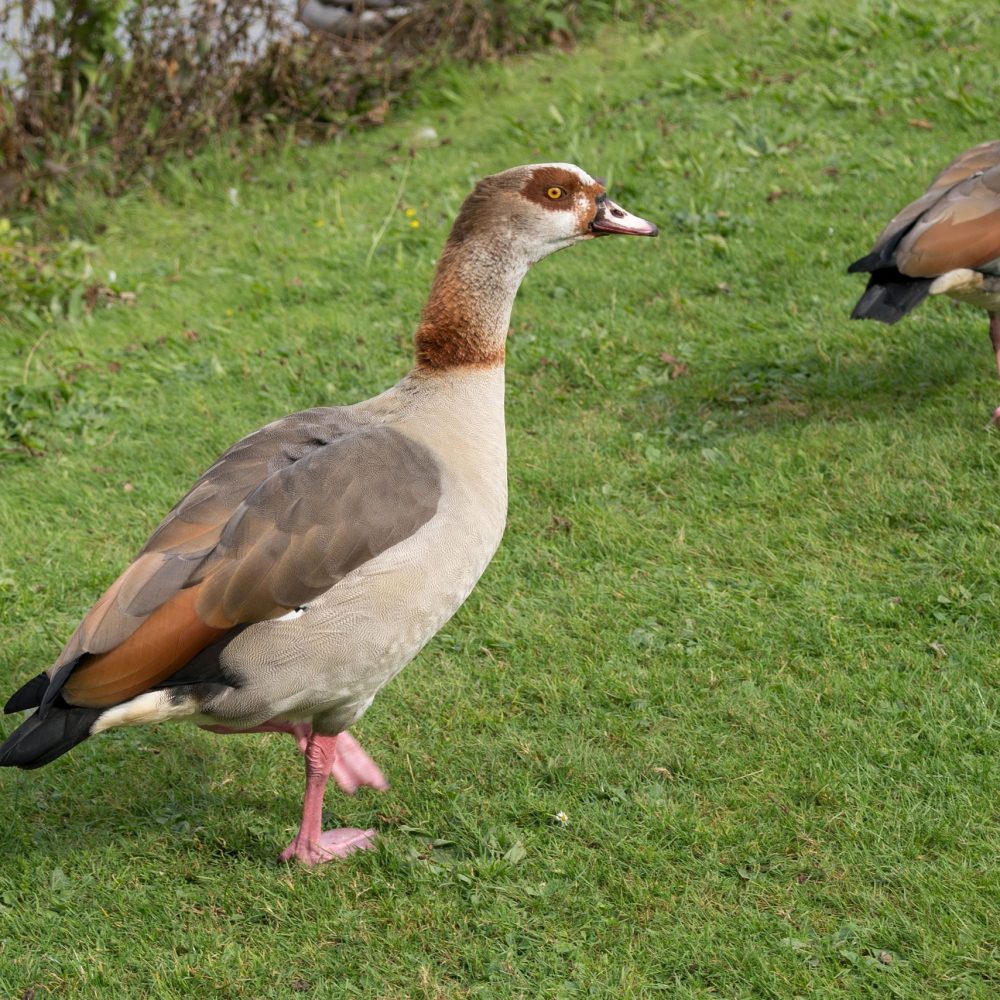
(742, 630)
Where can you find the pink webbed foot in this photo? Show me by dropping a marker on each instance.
(995, 419)
(332, 844)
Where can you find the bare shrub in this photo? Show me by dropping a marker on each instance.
(98, 90)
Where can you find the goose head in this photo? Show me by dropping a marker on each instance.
(510, 221)
(540, 208)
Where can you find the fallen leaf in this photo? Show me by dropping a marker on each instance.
(376, 115)
(677, 367)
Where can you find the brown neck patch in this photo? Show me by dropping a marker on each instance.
(458, 329)
(440, 348)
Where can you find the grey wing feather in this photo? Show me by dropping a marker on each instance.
(310, 524)
(281, 516)
(979, 158)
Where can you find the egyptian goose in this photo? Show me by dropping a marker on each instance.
(317, 556)
(947, 242)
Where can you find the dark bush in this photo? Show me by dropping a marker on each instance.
(99, 90)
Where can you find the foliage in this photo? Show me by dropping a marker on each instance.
(103, 89)
(50, 411)
(41, 282)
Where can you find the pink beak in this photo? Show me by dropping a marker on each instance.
(612, 218)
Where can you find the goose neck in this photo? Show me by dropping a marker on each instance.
(466, 319)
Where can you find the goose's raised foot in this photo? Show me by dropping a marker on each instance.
(353, 768)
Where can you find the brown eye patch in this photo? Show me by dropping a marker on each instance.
(544, 182)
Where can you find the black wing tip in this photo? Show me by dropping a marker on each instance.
(876, 310)
(27, 696)
(870, 262)
(42, 690)
(890, 295)
(39, 741)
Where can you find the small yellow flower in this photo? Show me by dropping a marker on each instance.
(410, 213)
(561, 818)
(414, 223)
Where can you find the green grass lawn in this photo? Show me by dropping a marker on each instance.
(743, 629)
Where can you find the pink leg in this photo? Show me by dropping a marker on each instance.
(340, 756)
(354, 767)
(300, 730)
(995, 339)
(995, 336)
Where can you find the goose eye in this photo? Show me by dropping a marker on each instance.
(555, 193)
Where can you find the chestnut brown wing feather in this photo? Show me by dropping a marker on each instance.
(278, 520)
(191, 530)
(949, 188)
(165, 641)
(962, 229)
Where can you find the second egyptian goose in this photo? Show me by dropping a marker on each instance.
(319, 554)
(947, 242)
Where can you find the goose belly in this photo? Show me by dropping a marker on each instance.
(327, 662)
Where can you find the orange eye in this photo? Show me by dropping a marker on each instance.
(555, 193)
